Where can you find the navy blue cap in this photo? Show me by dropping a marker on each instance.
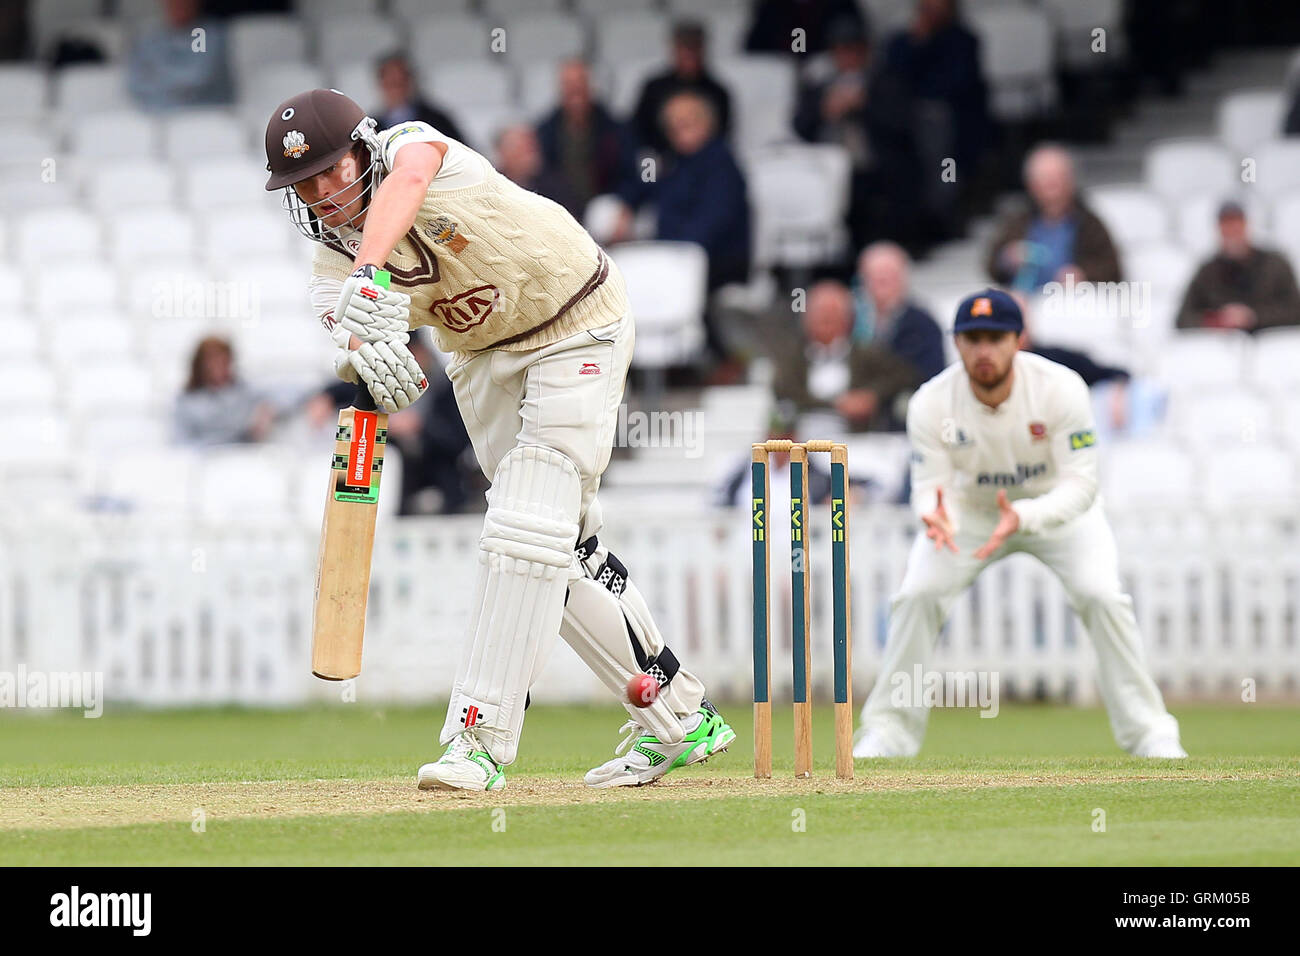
(991, 309)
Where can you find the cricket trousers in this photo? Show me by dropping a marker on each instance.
(1083, 556)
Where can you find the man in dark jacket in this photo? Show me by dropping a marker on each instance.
(886, 315)
(1242, 286)
(688, 73)
(1057, 236)
(825, 370)
(701, 197)
(403, 102)
(594, 153)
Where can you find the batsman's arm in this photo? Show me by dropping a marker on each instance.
(393, 210)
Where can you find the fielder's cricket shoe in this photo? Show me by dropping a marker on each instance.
(649, 758)
(871, 744)
(1164, 748)
(464, 766)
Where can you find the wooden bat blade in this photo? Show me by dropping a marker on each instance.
(346, 542)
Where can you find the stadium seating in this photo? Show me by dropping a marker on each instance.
(666, 286)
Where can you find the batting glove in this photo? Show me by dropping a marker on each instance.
(390, 372)
(371, 312)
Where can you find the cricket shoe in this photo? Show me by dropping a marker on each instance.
(1163, 748)
(649, 758)
(871, 744)
(464, 766)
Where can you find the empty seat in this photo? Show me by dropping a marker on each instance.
(212, 184)
(22, 92)
(1278, 169)
(203, 134)
(263, 89)
(1132, 214)
(1148, 474)
(505, 8)
(260, 38)
(361, 83)
(124, 385)
(544, 36)
(450, 37)
(110, 431)
(317, 11)
(59, 232)
(130, 184)
(1250, 117)
(762, 98)
(90, 334)
(1250, 474)
(1162, 264)
(358, 39)
(799, 194)
(725, 29)
(623, 34)
(666, 284)
(34, 383)
(68, 287)
(1017, 57)
(1220, 419)
(170, 487)
(140, 235)
(117, 134)
(84, 88)
(1181, 167)
(26, 143)
(1275, 364)
(471, 84)
(236, 231)
(1194, 360)
(249, 480)
(413, 12)
(168, 289)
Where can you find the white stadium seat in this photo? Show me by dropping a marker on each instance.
(360, 82)
(235, 231)
(452, 37)
(497, 9)
(355, 39)
(89, 88)
(248, 481)
(59, 232)
(725, 29)
(544, 36)
(799, 194)
(142, 235)
(1285, 226)
(109, 431)
(124, 385)
(213, 184)
(1275, 366)
(472, 84)
(1217, 419)
(117, 134)
(1197, 359)
(203, 134)
(623, 35)
(1164, 265)
(317, 11)
(67, 287)
(1180, 167)
(1254, 474)
(91, 334)
(1017, 57)
(26, 143)
(263, 89)
(166, 290)
(1132, 214)
(762, 98)
(278, 282)
(1148, 473)
(415, 12)
(257, 39)
(1250, 117)
(113, 188)
(1278, 170)
(35, 383)
(169, 344)
(23, 93)
(48, 17)
(23, 189)
(666, 284)
(171, 478)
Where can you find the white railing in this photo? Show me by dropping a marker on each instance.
(202, 614)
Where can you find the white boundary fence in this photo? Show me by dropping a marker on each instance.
(182, 615)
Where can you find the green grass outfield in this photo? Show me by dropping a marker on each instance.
(337, 786)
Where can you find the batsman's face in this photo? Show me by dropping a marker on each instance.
(987, 355)
(334, 193)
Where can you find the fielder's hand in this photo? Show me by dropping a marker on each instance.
(1008, 524)
(938, 527)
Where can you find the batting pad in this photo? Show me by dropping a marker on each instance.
(526, 561)
(608, 625)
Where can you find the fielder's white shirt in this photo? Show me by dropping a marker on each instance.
(1039, 445)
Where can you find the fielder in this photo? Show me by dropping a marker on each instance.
(1003, 460)
(536, 318)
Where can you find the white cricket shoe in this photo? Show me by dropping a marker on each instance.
(650, 758)
(872, 744)
(1165, 748)
(464, 766)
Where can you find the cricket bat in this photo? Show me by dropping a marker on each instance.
(347, 537)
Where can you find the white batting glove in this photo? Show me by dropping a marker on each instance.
(390, 372)
(373, 313)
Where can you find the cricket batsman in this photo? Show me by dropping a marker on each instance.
(536, 319)
(1004, 459)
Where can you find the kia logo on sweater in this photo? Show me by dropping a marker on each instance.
(461, 313)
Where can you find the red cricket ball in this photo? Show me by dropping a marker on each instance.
(642, 690)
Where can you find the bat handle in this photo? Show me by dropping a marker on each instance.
(363, 401)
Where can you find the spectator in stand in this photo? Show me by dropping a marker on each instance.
(164, 71)
(583, 144)
(887, 316)
(1242, 286)
(1057, 236)
(939, 59)
(775, 22)
(688, 73)
(519, 158)
(216, 407)
(403, 101)
(828, 371)
(867, 113)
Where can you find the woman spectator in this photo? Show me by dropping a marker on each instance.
(216, 408)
